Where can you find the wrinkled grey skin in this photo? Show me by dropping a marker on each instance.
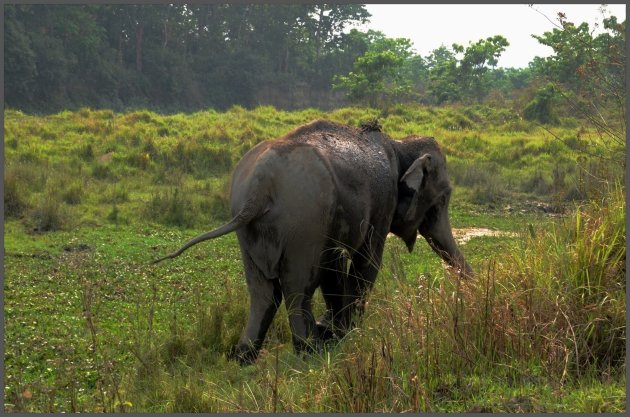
(324, 190)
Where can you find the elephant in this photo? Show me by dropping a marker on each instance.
(313, 209)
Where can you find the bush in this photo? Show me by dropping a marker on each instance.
(541, 107)
(15, 200)
(199, 160)
(581, 267)
(50, 214)
(103, 172)
(73, 193)
(171, 207)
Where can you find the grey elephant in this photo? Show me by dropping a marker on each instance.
(323, 190)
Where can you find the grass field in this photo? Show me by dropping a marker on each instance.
(92, 196)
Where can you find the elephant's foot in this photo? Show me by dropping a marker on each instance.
(324, 327)
(328, 330)
(244, 354)
(324, 331)
(308, 346)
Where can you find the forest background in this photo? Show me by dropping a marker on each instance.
(171, 58)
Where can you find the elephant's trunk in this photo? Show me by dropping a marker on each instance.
(439, 235)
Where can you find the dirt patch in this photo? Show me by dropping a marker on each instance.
(105, 158)
(465, 234)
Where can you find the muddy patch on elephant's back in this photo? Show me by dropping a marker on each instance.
(465, 234)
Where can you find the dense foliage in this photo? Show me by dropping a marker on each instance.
(184, 57)
(174, 57)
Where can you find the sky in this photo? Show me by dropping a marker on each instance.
(428, 26)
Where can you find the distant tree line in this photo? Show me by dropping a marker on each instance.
(190, 57)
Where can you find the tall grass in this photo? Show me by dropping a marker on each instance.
(549, 314)
(492, 154)
(540, 325)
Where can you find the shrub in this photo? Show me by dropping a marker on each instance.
(103, 172)
(73, 193)
(50, 214)
(199, 160)
(171, 207)
(541, 107)
(15, 200)
(536, 183)
(581, 265)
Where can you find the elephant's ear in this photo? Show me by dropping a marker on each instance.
(413, 179)
(414, 175)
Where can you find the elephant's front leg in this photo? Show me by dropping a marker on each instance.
(366, 263)
(334, 281)
(265, 298)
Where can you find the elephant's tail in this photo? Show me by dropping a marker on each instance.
(240, 220)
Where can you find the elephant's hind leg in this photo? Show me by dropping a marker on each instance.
(265, 298)
(298, 282)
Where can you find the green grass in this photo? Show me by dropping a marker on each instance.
(144, 162)
(91, 326)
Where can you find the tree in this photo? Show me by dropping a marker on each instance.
(20, 69)
(474, 66)
(541, 108)
(443, 76)
(589, 73)
(377, 74)
(327, 22)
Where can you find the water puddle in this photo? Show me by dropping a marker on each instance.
(465, 234)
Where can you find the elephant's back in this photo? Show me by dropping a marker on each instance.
(323, 175)
(364, 169)
(293, 191)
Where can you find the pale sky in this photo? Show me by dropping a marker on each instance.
(429, 25)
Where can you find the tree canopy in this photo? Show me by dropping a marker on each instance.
(185, 57)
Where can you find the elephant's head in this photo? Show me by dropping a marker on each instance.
(424, 192)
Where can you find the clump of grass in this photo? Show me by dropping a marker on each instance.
(86, 152)
(484, 179)
(50, 213)
(114, 215)
(73, 193)
(103, 172)
(15, 198)
(536, 183)
(584, 262)
(115, 194)
(198, 159)
(141, 160)
(171, 207)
